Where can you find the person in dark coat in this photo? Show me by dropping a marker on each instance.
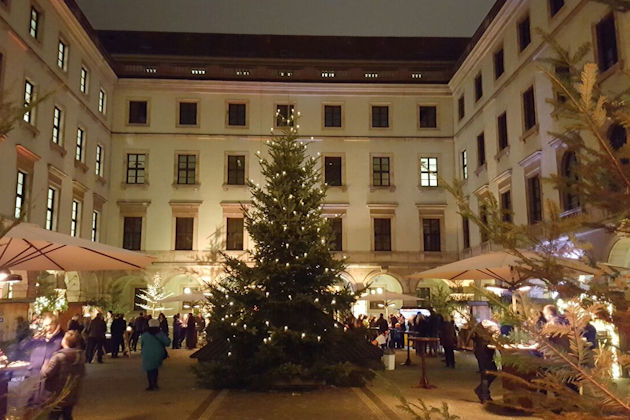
(163, 323)
(74, 324)
(448, 339)
(177, 332)
(96, 338)
(63, 375)
(191, 332)
(118, 331)
(140, 325)
(382, 324)
(481, 338)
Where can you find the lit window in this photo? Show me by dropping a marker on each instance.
(428, 172)
(62, 55)
(464, 159)
(99, 161)
(75, 218)
(51, 208)
(284, 73)
(136, 164)
(85, 80)
(150, 70)
(96, 221)
(33, 29)
(198, 72)
(371, 75)
(80, 148)
(20, 194)
(242, 72)
(57, 126)
(327, 74)
(416, 75)
(29, 97)
(102, 101)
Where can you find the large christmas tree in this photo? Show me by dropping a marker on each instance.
(275, 320)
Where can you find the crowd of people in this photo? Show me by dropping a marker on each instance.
(57, 358)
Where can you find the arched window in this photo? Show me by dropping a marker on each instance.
(570, 200)
(617, 136)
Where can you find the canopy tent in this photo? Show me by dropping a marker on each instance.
(185, 297)
(501, 266)
(29, 247)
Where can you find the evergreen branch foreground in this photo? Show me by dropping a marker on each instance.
(275, 315)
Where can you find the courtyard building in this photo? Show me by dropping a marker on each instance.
(147, 139)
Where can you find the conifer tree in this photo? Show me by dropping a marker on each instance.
(274, 320)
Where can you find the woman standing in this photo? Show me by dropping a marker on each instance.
(163, 323)
(153, 349)
(177, 332)
(191, 332)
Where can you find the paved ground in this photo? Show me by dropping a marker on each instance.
(114, 390)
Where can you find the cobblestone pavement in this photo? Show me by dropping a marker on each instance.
(115, 391)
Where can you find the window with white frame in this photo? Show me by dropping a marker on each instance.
(75, 218)
(62, 55)
(464, 160)
(428, 172)
(98, 166)
(51, 209)
(79, 153)
(102, 101)
(84, 81)
(57, 128)
(96, 226)
(20, 193)
(34, 23)
(29, 97)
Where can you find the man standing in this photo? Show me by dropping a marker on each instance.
(96, 338)
(42, 348)
(139, 327)
(382, 324)
(118, 330)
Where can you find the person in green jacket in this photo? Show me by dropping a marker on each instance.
(153, 343)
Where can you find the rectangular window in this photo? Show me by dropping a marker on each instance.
(96, 224)
(466, 232)
(483, 217)
(464, 159)
(186, 169)
(98, 166)
(461, 108)
(234, 234)
(136, 165)
(332, 115)
(478, 87)
(428, 172)
(535, 199)
(188, 113)
(336, 226)
(57, 126)
(184, 227)
(529, 108)
(51, 209)
(80, 148)
(502, 131)
(62, 55)
(75, 218)
(132, 233)
(380, 172)
(33, 28)
(138, 112)
(102, 101)
(84, 80)
(29, 96)
(20, 194)
(237, 115)
(481, 150)
(607, 54)
(428, 116)
(332, 171)
(380, 116)
(499, 64)
(431, 235)
(524, 34)
(284, 115)
(555, 6)
(236, 170)
(506, 206)
(382, 234)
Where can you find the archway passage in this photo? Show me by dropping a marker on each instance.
(620, 253)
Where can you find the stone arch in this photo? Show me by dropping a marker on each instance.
(386, 280)
(620, 253)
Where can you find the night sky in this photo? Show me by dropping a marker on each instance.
(296, 17)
